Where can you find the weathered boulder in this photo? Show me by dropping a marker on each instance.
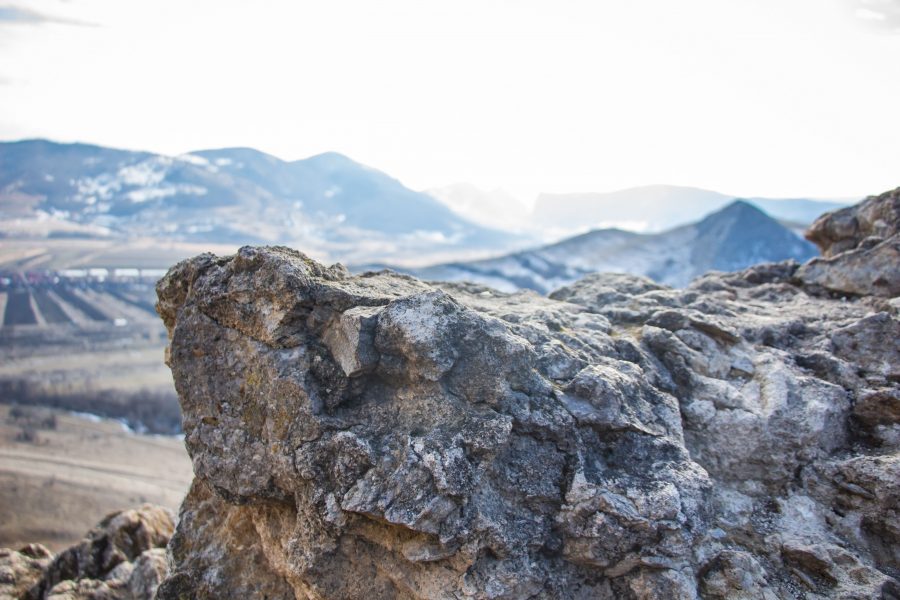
(848, 228)
(378, 437)
(375, 436)
(123, 558)
(860, 246)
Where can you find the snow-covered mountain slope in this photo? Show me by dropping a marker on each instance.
(733, 238)
(328, 204)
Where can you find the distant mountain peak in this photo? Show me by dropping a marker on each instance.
(740, 204)
(733, 237)
(333, 161)
(659, 207)
(737, 209)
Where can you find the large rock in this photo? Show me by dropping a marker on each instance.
(379, 437)
(385, 439)
(860, 246)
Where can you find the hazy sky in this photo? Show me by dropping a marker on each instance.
(749, 97)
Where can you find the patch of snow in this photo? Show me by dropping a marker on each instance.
(223, 162)
(87, 416)
(48, 177)
(332, 191)
(100, 187)
(193, 159)
(145, 194)
(146, 173)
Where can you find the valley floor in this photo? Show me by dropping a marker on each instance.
(61, 473)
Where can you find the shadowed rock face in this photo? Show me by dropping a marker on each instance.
(379, 437)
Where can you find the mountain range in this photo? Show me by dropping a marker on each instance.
(655, 208)
(327, 204)
(336, 209)
(730, 239)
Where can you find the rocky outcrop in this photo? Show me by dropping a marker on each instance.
(860, 246)
(875, 217)
(123, 558)
(379, 437)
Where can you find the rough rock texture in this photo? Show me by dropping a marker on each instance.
(21, 569)
(379, 437)
(860, 246)
(123, 558)
(845, 229)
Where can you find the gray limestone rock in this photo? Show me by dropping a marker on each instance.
(374, 436)
(410, 438)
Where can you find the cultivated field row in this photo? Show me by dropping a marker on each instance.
(47, 305)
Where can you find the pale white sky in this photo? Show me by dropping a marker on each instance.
(749, 97)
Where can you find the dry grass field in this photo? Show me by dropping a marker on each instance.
(61, 473)
(60, 371)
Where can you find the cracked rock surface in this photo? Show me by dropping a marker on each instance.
(378, 437)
